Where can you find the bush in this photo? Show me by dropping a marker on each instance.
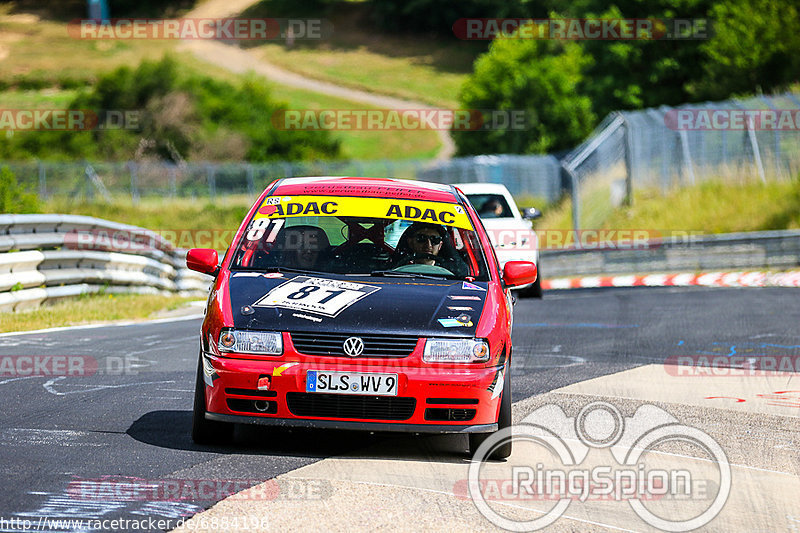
(539, 76)
(13, 196)
(183, 115)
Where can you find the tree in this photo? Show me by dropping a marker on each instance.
(756, 47)
(542, 78)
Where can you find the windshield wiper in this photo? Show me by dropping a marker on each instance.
(396, 274)
(288, 269)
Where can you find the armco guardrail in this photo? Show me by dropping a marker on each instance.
(776, 250)
(50, 257)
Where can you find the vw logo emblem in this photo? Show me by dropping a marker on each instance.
(353, 346)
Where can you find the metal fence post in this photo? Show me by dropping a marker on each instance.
(132, 167)
(687, 156)
(212, 182)
(576, 210)
(42, 180)
(751, 134)
(628, 147)
(251, 182)
(173, 181)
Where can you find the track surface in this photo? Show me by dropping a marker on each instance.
(56, 433)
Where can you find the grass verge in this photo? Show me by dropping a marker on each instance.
(91, 309)
(163, 215)
(427, 69)
(711, 207)
(369, 145)
(40, 71)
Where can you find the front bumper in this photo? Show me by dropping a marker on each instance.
(429, 399)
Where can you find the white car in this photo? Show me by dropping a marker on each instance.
(511, 232)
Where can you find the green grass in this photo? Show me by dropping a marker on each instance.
(163, 215)
(40, 53)
(422, 144)
(51, 98)
(409, 78)
(712, 207)
(413, 67)
(90, 309)
(42, 57)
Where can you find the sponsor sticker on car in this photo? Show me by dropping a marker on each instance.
(327, 297)
(393, 208)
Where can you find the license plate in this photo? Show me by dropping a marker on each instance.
(351, 383)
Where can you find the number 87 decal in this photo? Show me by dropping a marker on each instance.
(261, 225)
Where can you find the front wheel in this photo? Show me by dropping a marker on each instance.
(206, 431)
(503, 421)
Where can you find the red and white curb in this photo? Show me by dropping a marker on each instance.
(709, 279)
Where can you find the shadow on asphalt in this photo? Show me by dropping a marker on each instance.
(172, 430)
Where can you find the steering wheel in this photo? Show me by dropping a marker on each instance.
(427, 257)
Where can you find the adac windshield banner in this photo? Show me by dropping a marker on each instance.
(343, 206)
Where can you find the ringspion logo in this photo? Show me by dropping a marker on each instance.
(601, 455)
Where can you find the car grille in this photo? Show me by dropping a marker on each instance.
(350, 406)
(319, 343)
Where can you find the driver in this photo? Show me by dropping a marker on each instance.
(424, 243)
(425, 240)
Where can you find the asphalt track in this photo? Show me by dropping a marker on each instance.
(125, 429)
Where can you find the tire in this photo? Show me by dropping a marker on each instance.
(206, 431)
(535, 289)
(503, 421)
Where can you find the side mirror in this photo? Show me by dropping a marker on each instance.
(517, 273)
(203, 260)
(531, 213)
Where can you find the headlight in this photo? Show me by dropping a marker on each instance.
(456, 351)
(257, 342)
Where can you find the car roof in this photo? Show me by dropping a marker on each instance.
(482, 188)
(371, 187)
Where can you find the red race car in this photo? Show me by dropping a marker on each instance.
(358, 303)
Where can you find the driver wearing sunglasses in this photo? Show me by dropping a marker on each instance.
(425, 241)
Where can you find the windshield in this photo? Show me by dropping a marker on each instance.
(337, 235)
(490, 205)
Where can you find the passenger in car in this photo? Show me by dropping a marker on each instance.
(492, 209)
(304, 247)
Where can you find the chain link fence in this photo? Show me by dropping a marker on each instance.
(539, 176)
(657, 149)
(735, 141)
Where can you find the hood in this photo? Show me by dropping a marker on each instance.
(347, 304)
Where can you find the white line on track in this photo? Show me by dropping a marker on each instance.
(48, 386)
